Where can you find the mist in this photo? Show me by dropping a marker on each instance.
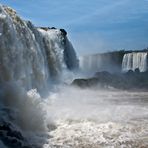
(50, 97)
(97, 117)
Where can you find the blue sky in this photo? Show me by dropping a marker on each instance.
(93, 25)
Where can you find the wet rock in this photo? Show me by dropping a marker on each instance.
(85, 82)
(53, 28)
(10, 136)
(44, 28)
(15, 134)
(129, 80)
(5, 127)
(63, 31)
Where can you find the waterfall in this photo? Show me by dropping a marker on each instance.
(31, 59)
(91, 63)
(110, 61)
(70, 57)
(32, 56)
(132, 61)
(21, 58)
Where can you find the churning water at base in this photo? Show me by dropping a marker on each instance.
(98, 119)
(68, 117)
(79, 118)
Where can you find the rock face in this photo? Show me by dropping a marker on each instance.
(126, 81)
(11, 137)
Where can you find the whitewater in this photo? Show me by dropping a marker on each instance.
(74, 118)
(131, 61)
(104, 118)
(39, 108)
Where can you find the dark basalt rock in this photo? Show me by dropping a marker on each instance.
(44, 28)
(15, 134)
(52, 28)
(63, 31)
(137, 71)
(129, 80)
(85, 82)
(12, 138)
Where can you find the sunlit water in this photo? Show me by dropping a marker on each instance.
(97, 118)
(68, 117)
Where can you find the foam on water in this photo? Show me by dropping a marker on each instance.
(74, 118)
(93, 118)
(68, 117)
(71, 117)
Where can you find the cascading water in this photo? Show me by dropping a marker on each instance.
(132, 61)
(110, 61)
(21, 57)
(30, 60)
(90, 63)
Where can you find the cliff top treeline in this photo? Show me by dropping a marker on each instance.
(122, 51)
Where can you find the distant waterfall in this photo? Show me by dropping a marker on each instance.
(134, 60)
(110, 61)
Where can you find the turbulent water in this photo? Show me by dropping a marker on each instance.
(98, 118)
(74, 118)
(132, 61)
(38, 110)
(32, 60)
